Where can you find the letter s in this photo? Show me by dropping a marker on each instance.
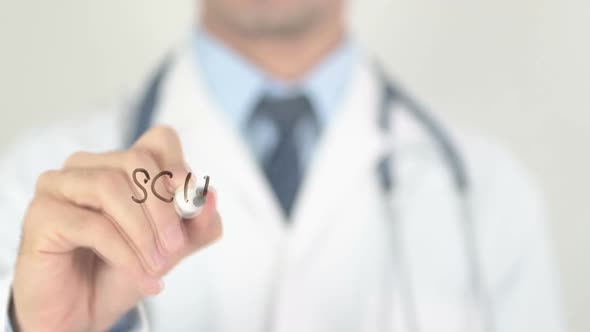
(147, 178)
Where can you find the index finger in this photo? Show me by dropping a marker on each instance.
(163, 143)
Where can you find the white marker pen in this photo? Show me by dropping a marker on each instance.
(189, 202)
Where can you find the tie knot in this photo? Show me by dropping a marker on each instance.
(284, 112)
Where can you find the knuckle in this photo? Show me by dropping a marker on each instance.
(37, 212)
(95, 224)
(86, 223)
(139, 157)
(75, 157)
(44, 179)
(164, 132)
(109, 182)
(166, 135)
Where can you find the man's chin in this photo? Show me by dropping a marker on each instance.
(270, 22)
(280, 28)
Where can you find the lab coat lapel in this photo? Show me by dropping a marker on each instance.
(213, 146)
(349, 146)
(347, 154)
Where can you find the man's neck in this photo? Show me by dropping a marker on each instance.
(287, 58)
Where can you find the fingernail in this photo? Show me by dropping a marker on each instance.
(174, 237)
(152, 285)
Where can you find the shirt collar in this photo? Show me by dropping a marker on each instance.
(236, 84)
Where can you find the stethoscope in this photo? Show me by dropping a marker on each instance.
(385, 171)
(391, 94)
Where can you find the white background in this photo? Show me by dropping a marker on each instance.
(516, 70)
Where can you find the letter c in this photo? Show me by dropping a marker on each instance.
(169, 174)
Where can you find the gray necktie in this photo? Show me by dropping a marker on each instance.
(283, 166)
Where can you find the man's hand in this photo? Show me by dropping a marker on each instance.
(89, 253)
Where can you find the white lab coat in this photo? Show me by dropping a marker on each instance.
(332, 269)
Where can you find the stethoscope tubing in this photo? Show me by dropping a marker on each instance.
(391, 94)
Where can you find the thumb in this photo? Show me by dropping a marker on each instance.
(206, 227)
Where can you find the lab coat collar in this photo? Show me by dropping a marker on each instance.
(349, 148)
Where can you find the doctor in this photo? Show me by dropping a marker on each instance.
(345, 206)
